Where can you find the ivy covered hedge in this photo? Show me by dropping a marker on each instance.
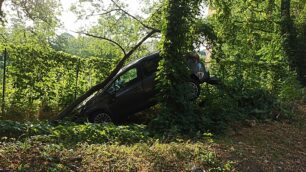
(41, 81)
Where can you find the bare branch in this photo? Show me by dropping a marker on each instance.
(141, 41)
(107, 12)
(104, 38)
(135, 18)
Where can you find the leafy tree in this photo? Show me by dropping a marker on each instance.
(41, 13)
(288, 31)
(250, 59)
(177, 41)
(298, 13)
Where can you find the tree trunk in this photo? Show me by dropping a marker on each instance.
(101, 85)
(288, 32)
(1, 2)
(1, 11)
(177, 41)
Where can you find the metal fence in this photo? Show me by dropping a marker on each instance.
(4, 57)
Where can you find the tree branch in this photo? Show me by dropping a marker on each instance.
(1, 2)
(257, 21)
(135, 18)
(107, 12)
(104, 38)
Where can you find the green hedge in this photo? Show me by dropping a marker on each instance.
(40, 81)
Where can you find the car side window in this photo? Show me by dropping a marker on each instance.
(126, 79)
(150, 66)
(128, 76)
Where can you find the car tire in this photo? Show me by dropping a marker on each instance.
(193, 90)
(100, 117)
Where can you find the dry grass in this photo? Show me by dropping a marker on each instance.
(138, 157)
(268, 146)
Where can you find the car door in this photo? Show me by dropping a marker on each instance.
(128, 89)
(149, 68)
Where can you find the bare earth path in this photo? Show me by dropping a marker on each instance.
(267, 147)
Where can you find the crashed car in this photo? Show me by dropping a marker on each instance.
(133, 89)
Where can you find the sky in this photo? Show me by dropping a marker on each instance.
(70, 22)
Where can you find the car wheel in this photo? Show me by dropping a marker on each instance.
(193, 90)
(101, 117)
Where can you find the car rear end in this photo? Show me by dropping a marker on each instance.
(198, 68)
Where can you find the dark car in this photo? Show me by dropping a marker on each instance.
(132, 89)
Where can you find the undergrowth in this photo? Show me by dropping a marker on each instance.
(37, 156)
(70, 133)
(90, 147)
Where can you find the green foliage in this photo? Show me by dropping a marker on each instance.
(84, 46)
(70, 133)
(38, 16)
(247, 51)
(249, 59)
(41, 80)
(69, 146)
(298, 13)
(177, 40)
(115, 24)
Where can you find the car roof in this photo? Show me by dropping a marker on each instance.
(130, 65)
(135, 62)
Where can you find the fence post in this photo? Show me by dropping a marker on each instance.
(4, 81)
(76, 80)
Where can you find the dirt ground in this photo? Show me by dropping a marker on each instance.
(267, 146)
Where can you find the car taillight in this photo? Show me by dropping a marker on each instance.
(200, 75)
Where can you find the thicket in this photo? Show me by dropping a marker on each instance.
(258, 79)
(41, 81)
(248, 56)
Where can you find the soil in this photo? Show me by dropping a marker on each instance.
(267, 146)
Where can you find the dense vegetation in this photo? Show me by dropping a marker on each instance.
(248, 54)
(256, 49)
(40, 81)
(67, 146)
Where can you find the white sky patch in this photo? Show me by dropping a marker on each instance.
(71, 23)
